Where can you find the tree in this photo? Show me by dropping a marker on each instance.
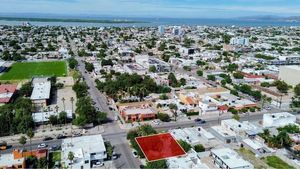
(173, 107)
(63, 100)
(22, 141)
(72, 63)
(172, 80)
(30, 135)
(186, 146)
(152, 69)
(26, 89)
(199, 72)
(163, 117)
(232, 67)
(89, 67)
(53, 120)
(109, 149)
(71, 156)
(182, 81)
(199, 148)
(160, 164)
(297, 90)
(62, 117)
(42, 163)
(236, 117)
(211, 77)
(281, 86)
(238, 75)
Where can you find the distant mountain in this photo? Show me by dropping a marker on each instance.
(271, 18)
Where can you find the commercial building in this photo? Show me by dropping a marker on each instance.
(7, 92)
(242, 129)
(41, 94)
(239, 41)
(87, 150)
(278, 120)
(227, 158)
(224, 134)
(41, 117)
(290, 74)
(137, 111)
(161, 30)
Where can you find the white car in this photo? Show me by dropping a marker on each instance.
(98, 164)
(42, 145)
(135, 154)
(156, 122)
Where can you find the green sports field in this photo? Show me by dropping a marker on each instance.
(27, 70)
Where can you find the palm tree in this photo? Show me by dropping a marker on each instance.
(72, 101)
(30, 135)
(63, 100)
(22, 140)
(56, 108)
(71, 156)
(174, 108)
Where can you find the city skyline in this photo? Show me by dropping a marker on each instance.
(155, 8)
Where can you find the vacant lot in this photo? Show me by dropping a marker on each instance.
(27, 70)
(277, 163)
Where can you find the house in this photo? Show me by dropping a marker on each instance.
(41, 93)
(138, 111)
(87, 150)
(278, 120)
(16, 159)
(191, 161)
(193, 135)
(224, 134)
(7, 92)
(257, 147)
(242, 129)
(226, 158)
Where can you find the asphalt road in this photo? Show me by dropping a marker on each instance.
(126, 159)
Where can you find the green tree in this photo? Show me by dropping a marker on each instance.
(160, 164)
(297, 90)
(172, 80)
(30, 135)
(89, 67)
(211, 77)
(152, 69)
(71, 156)
(72, 63)
(42, 163)
(26, 89)
(186, 146)
(199, 72)
(173, 107)
(163, 117)
(199, 148)
(238, 75)
(236, 117)
(22, 141)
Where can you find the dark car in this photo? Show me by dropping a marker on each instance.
(198, 120)
(60, 136)
(47, 138)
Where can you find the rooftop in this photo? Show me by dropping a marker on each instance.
(41, 91)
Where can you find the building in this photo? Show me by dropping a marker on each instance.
(224, 134)
(7, 92)
(7, 161)
(227, 158)
(161, 30)
(41, 94)
(16, 159)
(147, 62)
(257, 147)
(239, 41)
(278, 120)
(176, 31)
(193, 135)
(138, 111)
(290, 74)
(87, 150)
(242, 129)
(42, 117)
(191, 161)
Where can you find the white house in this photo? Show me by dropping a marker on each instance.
(278, 120)
(87, 150)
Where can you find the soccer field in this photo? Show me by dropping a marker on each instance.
(27, 70)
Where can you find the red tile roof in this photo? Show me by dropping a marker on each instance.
(8, 88)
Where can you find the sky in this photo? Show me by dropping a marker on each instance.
(155, 8)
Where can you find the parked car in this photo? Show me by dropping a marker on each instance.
(135, 154)
(42, 145)
(198, 120)
(55, 148)
(47, 138)
(60, 136)
(98, 164)
(114, 156)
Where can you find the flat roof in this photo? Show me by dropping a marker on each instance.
(8, 160)
(230, 158)
(41, 91)
(159, 146)
(132, 111)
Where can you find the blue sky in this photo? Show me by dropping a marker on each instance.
(155, 8)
